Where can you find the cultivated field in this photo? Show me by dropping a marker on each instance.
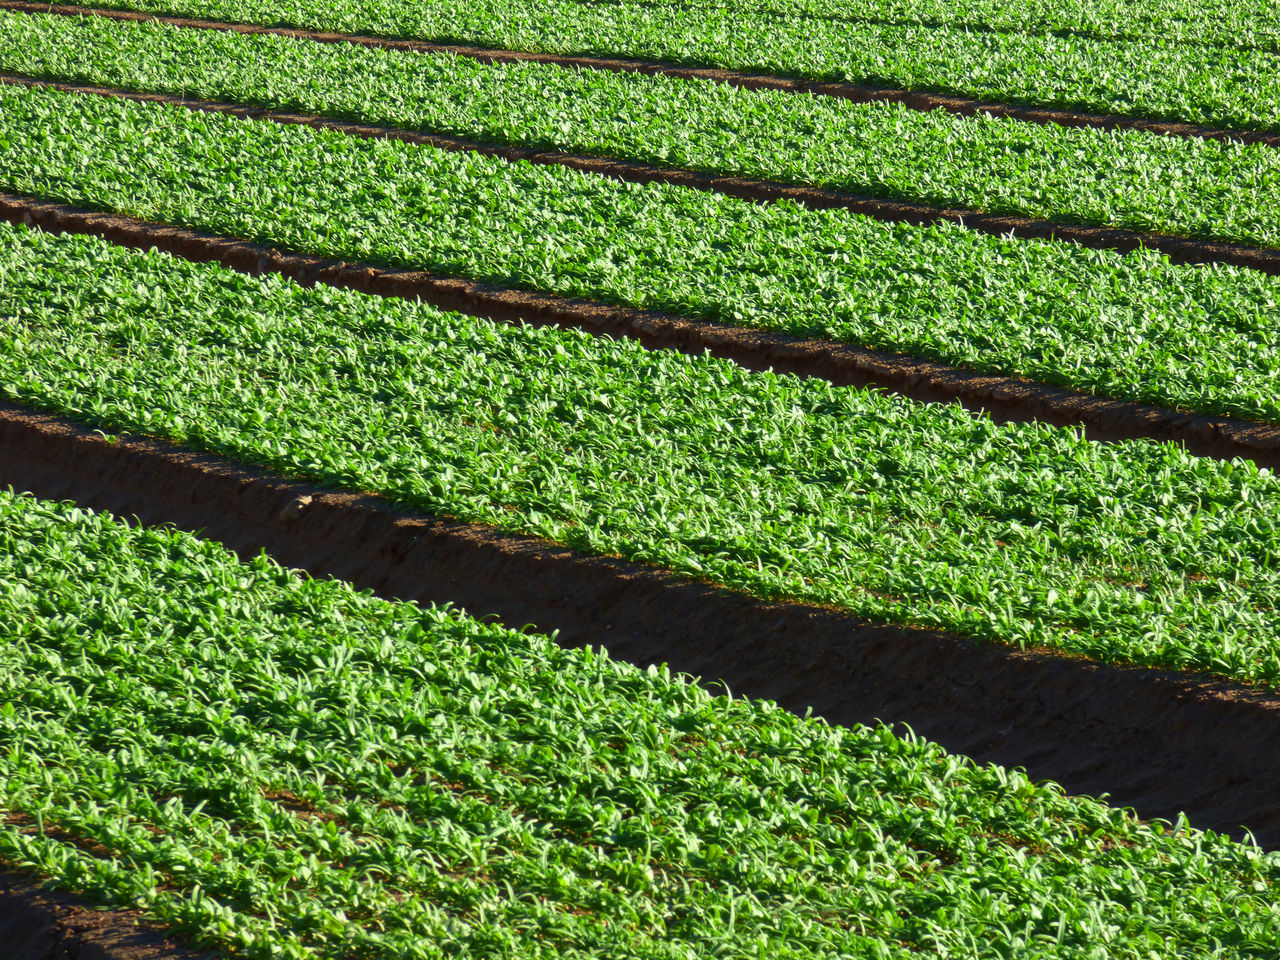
(877, 402)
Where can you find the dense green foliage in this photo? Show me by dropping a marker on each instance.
(895, 510)
(292, 769)
(1134, 326)
(1196, 187)
(1228, 23)
(1157, 76)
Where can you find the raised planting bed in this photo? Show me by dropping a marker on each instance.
(1232, 84)
(923, 100)
(1002, 398)
(1133, 327)
(1246, 24)
(1166, 743)
(1191, 187)
(285, 767)
(1025, 534)
(1179, 249)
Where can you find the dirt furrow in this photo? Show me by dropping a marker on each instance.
(1178, 249)
(1160, 741)
(1003, 398)
(858, 93)
(38, 924)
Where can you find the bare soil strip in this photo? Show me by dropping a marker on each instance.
(858, 93)
(1003, 398)
(1159, 741)
(1178, 249)
(38, 924)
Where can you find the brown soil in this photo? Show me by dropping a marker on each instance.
(1178, 249)
(38, 924)
(1159, 741)
(859, 93)
(1003, 398)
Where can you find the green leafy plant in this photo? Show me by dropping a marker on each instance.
(284, 767)
(899, 511)
(1134, 327)
(1188, 186)
(1231, 80)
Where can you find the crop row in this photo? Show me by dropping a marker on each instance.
(1132, 327)
(1238, 24)
(1228, 23)
(1193, 187)
(292, 769)
(1221, 86)
(782, 487)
